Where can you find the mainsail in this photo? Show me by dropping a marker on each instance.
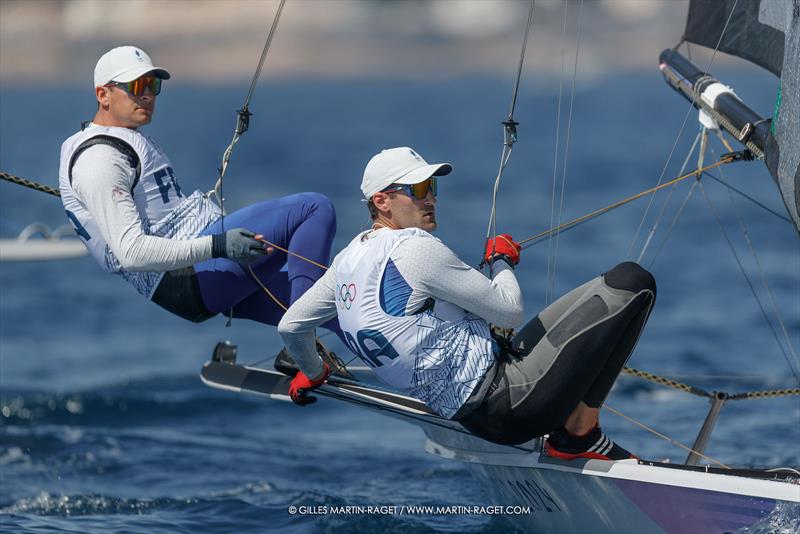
(767, 33)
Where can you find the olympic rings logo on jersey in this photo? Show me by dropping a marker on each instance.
(346, 295)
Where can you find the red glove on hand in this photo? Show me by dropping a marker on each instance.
(301, 384)
(503, 246)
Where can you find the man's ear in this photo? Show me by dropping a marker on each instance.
(102, 94)
(379, 201)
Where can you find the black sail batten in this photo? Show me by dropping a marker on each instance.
(764, 32)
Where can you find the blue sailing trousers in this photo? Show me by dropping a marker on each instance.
(305, 224)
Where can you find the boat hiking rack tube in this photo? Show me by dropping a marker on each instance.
(701, 441)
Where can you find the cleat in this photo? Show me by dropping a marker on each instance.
(225, 352)
(594, 445)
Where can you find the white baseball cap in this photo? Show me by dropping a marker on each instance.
(401, 165)
(125, 64)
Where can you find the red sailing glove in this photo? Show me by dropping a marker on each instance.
(301, 384)
(502, 247)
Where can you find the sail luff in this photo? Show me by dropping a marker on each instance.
(782, 150)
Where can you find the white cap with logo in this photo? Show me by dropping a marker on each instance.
(125, 64)
(401, 165)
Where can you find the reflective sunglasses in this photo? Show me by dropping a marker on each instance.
(418, 191)
(136, 87)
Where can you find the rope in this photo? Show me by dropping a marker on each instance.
(242, 124)
(290, 253)
(667, 382)
(775, 308)
(509, 135)
(267, 44)
(610, 207)
(750, 284)
(724, 141)
(243, 115)
(30, 183)
(674, 384)
(674, 222)
(521, 60)
(492, 228)
(748, 197)
(267, 291)
(664, 436)
(768, 394)
(680, 132)
(664, 208)
(296, 255)
(547, 296)
(566, 150)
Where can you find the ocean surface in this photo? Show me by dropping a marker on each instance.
(106, 426)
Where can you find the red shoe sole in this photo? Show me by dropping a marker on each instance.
(586, 455)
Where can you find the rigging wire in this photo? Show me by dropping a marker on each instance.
(703, 137)
(680, 132)
(663, 436)
(535, 239)
(664, 206)
(775, 308)
(704, 146)
(748, 197)
(749, 283)
(674, 222)
(566, 148)
(509, 135)
(243, 115)
(547, 296)
(521, 60)
(242, 124)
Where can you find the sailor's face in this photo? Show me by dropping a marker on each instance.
(127, 110)
(410, 212)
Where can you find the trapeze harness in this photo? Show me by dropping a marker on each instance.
(164, 209)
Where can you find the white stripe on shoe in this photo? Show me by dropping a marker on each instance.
(599, 444)
(607, 448)
(602, 445)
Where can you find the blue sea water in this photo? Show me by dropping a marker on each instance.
(106, 426)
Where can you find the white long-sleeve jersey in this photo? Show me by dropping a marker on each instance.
(138, 226)
(377, 287)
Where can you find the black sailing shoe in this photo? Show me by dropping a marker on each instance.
(593, 445)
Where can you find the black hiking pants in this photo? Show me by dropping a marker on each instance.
(573, 351)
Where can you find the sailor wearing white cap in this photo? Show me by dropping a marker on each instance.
(420, 317)
(125, 64)
(407, 304)
(121, 193)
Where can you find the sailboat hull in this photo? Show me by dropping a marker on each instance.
(566, 496)
(625, 496)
